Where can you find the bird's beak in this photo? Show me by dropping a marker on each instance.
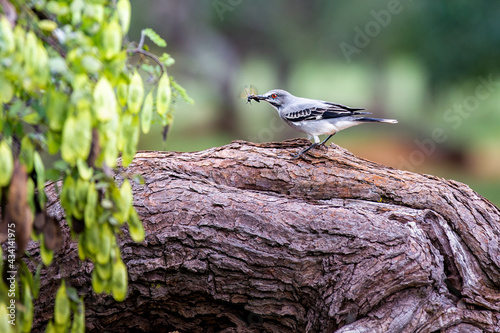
(257, 98)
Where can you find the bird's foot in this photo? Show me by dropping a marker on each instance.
(323, 146)
(301, 153)
(298, 155)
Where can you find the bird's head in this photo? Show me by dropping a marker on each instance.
(277, 98)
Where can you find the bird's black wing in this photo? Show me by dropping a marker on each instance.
(329, 110)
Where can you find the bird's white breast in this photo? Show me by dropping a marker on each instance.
(322, 127)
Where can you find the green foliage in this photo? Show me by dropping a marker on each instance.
(164, 95)
(67, 88)
(155, 38)
(6, 163)
(67, 301)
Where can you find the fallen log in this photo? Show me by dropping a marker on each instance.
(245, 238)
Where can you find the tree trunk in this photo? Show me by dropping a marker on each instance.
(244, 238)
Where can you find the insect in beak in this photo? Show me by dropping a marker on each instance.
(254, 97)
(257, 98)
(250, 94)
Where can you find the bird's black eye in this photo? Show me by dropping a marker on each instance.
(274, 96)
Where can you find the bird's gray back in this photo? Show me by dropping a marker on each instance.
(300, 103)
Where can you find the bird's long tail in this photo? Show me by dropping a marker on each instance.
(376, 120)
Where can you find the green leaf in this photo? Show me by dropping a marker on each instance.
(26, 276)
(167, 60)
(72, 294)
(98, 284)
(136, 228)
(84, 170)
(119, 281)
(91, 239)
(41, 73)
(19, 37)
(164, 95)
(130, 131)
(109, 134)
(123, 201)
(47, 25)
(106, 234)
(91, 64)
(4, 319)
(107, 204)
(150, 69)
(104, 100)
(57, 65)
(125, 198)
(123, 9)
(81, 190)
(57, 104)
(30, 52)
(31, 118)
(68, 195)
(155, 38)
(50, 327)
(93, 12)
(61, 165)
(76, 8)
(62, 306)
(79, 318)
(26, 318)
(6, 164)
(90, 207)
(181, 91)
(26, 154)
(135, 93)
(46, 254)
(40, 178)
(122, 92)
(104, 271)
(57, 7)
(54, 141)
(7, 43)
(30, 189)
(147, 113)
(6, 90)
(111, 40)
(77, 137)
(36, 281)
(81, 247)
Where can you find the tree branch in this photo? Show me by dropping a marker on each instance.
(139, 50)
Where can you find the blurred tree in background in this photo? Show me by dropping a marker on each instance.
(431, 65)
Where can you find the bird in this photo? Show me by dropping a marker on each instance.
(315, 117)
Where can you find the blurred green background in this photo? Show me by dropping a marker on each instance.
(433, 65)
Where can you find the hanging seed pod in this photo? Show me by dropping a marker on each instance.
(135, 93)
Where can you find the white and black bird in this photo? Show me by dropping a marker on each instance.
(315, 117)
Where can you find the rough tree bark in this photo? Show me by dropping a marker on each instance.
(244, 238)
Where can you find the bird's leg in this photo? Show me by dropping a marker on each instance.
(314, 145)
(323, 143)
(305, 150)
